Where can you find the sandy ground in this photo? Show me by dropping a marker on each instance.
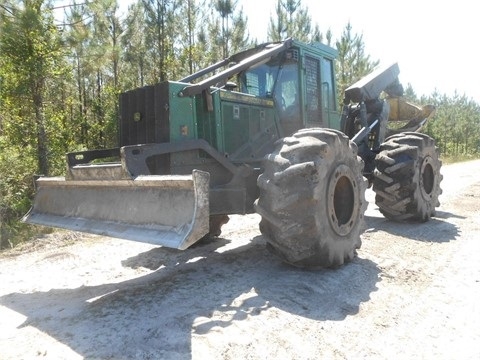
(412, 293)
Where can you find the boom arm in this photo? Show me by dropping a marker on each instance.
(368, 90)
(371, 86)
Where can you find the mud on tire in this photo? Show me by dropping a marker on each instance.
(312, 199)
(407, 177)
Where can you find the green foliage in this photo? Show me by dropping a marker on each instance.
(225, 9)
(31, 51)
(227, 31)
(32, 66)
(455, 125)
(17, 164)
(292, 20)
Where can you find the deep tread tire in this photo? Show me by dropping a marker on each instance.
(407, 177)
(312, 199)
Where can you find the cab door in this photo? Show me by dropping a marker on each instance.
(320, 97)
(288, 97)
(330, 115)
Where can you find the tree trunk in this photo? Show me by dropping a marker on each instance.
(42, 146)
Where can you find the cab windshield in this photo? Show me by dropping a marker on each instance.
(275, 80)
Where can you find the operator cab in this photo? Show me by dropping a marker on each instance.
(303, 90)
(278, 79)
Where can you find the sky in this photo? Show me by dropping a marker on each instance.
(432, 41)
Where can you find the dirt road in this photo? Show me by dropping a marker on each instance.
(412, 293)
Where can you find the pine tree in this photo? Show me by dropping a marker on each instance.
(225, 10)
(291, 19)
(277, 26)
(78, 36)
(31, 66)
(105, 49)
(134, 48)
(352, 62)
(190, 52)
(161, 35)
(228, 32)
(30, 47)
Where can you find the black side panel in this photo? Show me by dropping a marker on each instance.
(144, 119)
(126, 117)
(144, 115)
(150, 122)
(161, 106)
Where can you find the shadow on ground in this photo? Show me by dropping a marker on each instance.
(437, 230)
(156, 315)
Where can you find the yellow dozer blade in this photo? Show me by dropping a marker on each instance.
(405, 116)
(167, 210)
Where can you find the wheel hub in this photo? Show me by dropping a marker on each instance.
(342, 200)
(427, 178)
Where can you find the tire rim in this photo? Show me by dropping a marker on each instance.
(427, 178)
(342, 200)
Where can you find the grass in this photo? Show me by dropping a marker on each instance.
(451, 159)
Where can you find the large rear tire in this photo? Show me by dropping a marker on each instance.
(407, 177)
(312, 199)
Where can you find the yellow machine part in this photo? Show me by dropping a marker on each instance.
(409, 117)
